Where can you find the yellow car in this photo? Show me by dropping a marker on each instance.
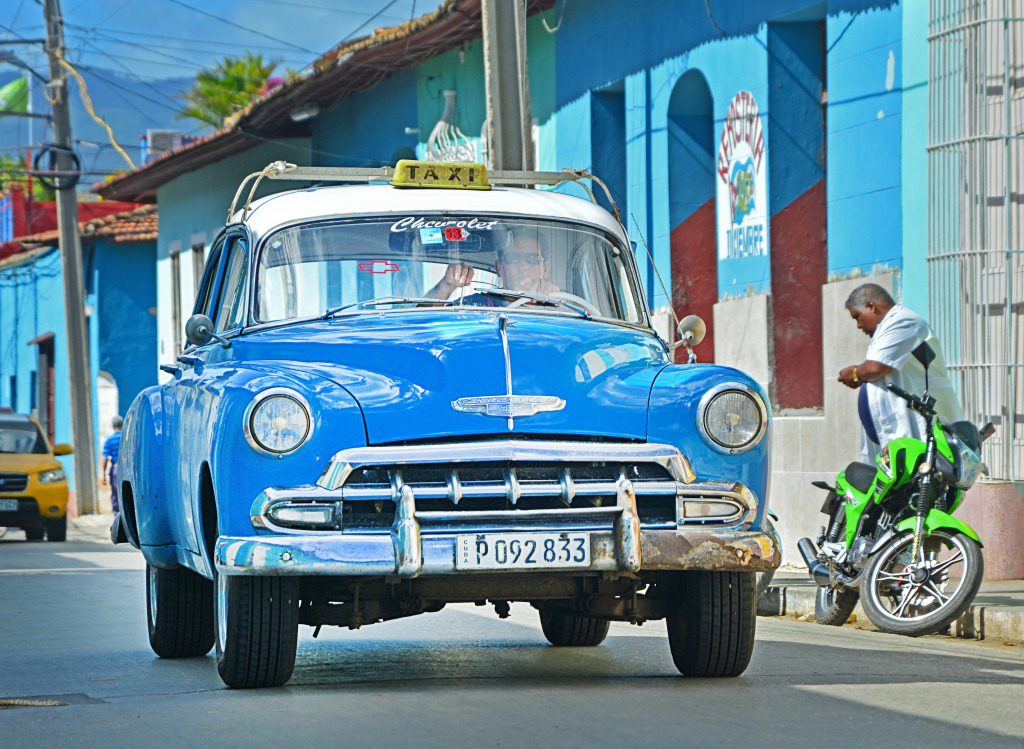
(33, 486)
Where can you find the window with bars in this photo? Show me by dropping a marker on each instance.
(976, 213)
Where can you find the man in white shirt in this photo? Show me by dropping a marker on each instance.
(895, 332)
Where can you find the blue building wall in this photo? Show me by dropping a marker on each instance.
(368, 129)
(125, 326)
(864, 139)
(120, 290)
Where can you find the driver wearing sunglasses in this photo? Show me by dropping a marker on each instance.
(522, 267)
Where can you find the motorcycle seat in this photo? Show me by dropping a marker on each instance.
(860, 475)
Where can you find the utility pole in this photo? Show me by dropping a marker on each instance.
(508, 85)
(79, 373)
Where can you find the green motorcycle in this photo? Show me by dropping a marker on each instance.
(892, 540)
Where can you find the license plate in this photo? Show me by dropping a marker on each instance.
(8, 505)
(521, 551)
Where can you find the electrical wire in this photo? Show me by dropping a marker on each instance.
(244, 28)
(558, 25)
(84, 91)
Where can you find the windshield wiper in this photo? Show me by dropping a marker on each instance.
(536, 297)
(385, 300)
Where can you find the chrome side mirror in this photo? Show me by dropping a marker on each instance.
(691, 332)
(199, 332)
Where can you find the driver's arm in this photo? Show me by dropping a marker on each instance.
(455, 276)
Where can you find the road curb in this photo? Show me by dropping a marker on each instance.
(998, 623)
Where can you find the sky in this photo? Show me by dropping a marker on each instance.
(152, 40)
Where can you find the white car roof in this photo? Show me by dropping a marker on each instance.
(273, 211)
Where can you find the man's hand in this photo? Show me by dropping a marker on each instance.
(849, 377)
(456, 276)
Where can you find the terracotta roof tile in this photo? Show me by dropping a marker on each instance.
(139, 225)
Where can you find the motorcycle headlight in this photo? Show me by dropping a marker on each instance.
(732, 418)
(52, 476)
(277, 421)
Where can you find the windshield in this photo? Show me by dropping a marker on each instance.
(346, 267)
(22, 438)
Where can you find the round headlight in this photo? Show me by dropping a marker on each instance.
(732, 417)
(277, 421)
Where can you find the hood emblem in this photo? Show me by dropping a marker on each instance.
(508, 406)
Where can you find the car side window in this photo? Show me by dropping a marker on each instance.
(204, 299)
(230, 304)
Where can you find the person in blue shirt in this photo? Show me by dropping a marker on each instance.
(111, 448)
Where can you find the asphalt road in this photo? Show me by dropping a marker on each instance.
(73, 632)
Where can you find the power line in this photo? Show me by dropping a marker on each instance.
(113, 32)
(245, 28)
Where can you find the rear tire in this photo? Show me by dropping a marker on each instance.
(257, 630)
(34, 534)
(179, 607)
(573, 630)
(711, 622)
(57, 528)
(833, 607)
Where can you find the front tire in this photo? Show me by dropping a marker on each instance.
(57, 528)
(35, 533)
(833, 607)
(179, 606)
(711, 622)
(573, 630)
(257, 630)
(899, 603)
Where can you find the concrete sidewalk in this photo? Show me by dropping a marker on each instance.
(997, 613)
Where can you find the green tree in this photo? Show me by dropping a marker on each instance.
(229, 86)
(12, 172)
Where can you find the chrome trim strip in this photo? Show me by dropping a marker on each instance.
(345, 461)
(520, 515)
(705, 401)
(259, 398)
(502, 324)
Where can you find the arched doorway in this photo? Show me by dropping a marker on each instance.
(691, 187)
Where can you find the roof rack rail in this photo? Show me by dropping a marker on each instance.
(284, 170)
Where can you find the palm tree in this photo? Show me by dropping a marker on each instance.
(229, 86)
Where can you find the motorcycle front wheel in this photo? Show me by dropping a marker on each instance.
(911, 597)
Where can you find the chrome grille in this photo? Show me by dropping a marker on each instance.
(13, 482)
(447, 492)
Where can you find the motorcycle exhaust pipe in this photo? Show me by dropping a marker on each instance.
(818, 571)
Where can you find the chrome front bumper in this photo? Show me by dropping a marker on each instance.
(424, 542)
(374, 555)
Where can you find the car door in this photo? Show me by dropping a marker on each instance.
(182, 413)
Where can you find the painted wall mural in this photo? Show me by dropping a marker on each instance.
(742, 193)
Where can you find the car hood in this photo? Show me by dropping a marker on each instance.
(407, 369)
(27, 462)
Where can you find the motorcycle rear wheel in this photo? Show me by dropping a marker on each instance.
(833, 607)
(896, 603)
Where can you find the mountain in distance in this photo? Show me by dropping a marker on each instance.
(129, 105)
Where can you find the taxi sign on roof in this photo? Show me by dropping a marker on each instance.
(465, 176)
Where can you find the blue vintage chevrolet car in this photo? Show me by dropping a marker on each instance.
(441, 389)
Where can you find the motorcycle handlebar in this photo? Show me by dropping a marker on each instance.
(903, 394)
(921, 405)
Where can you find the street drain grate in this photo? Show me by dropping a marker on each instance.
(5, 703)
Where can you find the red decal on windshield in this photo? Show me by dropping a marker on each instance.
(454, 233)
(380, 266)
